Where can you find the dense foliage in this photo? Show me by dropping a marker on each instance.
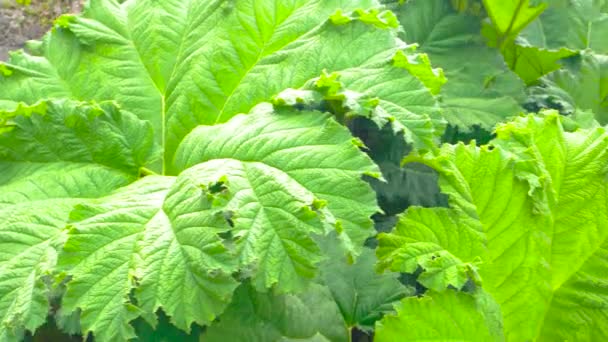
(319, 170)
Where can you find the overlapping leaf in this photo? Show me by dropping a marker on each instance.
(528, 54)
(492, 223)
(572, 59)
(582, 83)
(251, 203)
(52, 156)
(587, 23)
(362, 295)
(179, 64)
(308, 316)
(353, 94)
(481, 90)
(321, 158)
(159, 232)
(533, 210)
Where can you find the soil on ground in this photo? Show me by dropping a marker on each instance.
(19, 23)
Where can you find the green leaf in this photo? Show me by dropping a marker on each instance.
(577, 196)
(178, 64)
(472, 238)
(481, 90)
(303, 154)
(74, 132)
(572, 168)
(540, 47)
(581, 84)
(54, 155)
(510, 17)
(413, 109)
(579, 308)
(308, 316)
(251, 204)
(363, 99)
(413, 244)
(531, 207)
(159, 233)
(586, 23)
(274, 218)
(530, 63)
(420, 65)
(447, 316)
(362, 295)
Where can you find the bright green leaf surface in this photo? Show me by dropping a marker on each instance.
(533, 211)
(159, 231)
(409, 247)
(52, 156)
(161, 235)
(179, 64)
(510, 17)
(449, 241)
(320, 159)
(447, 316)
(579, 309)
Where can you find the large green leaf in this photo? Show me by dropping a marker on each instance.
(159, 232)
(155, 244)
(260, 190)
(571, 166)
(52, 156)
(453, 245)
(532, 209)
(179, 64)
(481, 90)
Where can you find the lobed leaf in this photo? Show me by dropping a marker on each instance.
(179, 64)
(524, 208)
(54, 155)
